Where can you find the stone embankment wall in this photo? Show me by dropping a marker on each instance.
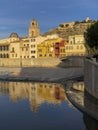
(49, 62)
(43, 62)
(73, 61)
(91, 77)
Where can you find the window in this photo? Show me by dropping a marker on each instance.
(6, 48)
(39, 50)
(63, 50)
(2, 47)
(40, 55)
(7, 55)
(70, 42)
(33, 51)
(33, 56)
(60, 50)
(4, 55)
(33, 40)
(32, 46)
(50, 55)
(13, 49)
(1, 55)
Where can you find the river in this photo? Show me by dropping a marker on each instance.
(39, 106)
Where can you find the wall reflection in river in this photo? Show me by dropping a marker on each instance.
(36, 93)
(84, 102)
(83, 99)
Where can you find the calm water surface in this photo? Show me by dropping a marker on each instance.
(38, 106)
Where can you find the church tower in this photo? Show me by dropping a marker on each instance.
(34, 30)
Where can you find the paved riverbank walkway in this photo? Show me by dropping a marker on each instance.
(40, 74)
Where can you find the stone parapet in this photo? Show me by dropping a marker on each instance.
(91, 77)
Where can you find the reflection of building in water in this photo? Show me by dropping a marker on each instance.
(16, 90)
(36, 92)
(78, 86)
(45, 92)
(76, 92)
(4, 89)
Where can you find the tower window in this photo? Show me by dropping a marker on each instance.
(32, 24)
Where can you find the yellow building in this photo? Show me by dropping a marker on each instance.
(76, 46)
(33, 42)
(47, 48)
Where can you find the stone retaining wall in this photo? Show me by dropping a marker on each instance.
(91, 77)
(49, 62)
(73, 61)
(43, 62)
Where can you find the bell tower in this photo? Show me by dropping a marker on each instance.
(34, 30)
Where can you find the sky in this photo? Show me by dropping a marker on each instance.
(15, 15)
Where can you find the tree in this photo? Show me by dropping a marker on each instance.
(91, 38)
(61, 25)
(77, 22)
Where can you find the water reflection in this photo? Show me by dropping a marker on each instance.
(50, 107)
(85, 102)
(36, 93)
